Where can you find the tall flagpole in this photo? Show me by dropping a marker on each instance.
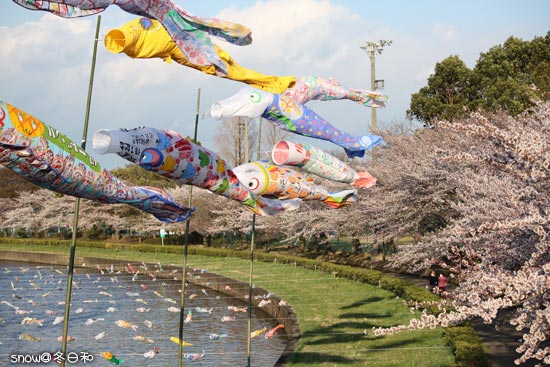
(77, 208)
(185, 247)
(250, 284)
(251, 270)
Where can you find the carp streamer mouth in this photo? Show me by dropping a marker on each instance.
(101, 141)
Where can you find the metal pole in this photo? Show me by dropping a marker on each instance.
(252, 238)
(249, 343)
(372, 87)
(186, 246)
(77, 208)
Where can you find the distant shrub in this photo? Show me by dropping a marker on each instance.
(467, 347)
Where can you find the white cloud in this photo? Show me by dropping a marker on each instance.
(45, 66)
(421, 77)
(298, 35)
(445, 32)
(25, 45)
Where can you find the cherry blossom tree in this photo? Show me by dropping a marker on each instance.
(40, 210)
(483, 186)
(28, 210)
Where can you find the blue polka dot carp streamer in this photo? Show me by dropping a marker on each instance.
(292, 116)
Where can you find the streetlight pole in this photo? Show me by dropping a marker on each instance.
(373, 48)
(373, 87)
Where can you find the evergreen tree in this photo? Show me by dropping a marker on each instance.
(446, 95)
(134, 175)
(511, 77)
(13, 183)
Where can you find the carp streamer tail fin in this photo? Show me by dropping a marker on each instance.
(368, 98)
(160, 204)
(337, 200)
(365, 180)
(266, 207)
(61, 10)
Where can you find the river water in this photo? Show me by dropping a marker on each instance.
(101, 299)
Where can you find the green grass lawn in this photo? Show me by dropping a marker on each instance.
(333, 313)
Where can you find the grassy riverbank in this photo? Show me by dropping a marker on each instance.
(333, 312)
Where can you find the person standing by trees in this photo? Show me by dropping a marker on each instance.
(442, 284)
(432, 281)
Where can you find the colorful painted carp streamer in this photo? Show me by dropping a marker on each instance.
(183, 343)
(271, 332)
(315, 88)
(258, 332)
(283, 183)
(111, 358)
(319, 163)
(47, 158)
(145, 38)
(169, 154)
(190, 33)
(291, 116)
(193, 356)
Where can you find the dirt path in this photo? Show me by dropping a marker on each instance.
(501, 342)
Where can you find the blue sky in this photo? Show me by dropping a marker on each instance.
(46, 59)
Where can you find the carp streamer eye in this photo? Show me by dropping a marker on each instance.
(253, 184)
(255, 97)
(151, 157)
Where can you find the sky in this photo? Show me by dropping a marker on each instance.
(45, 60)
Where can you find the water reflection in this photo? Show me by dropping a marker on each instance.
(127, 315)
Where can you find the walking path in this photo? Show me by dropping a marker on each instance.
(501, 342)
